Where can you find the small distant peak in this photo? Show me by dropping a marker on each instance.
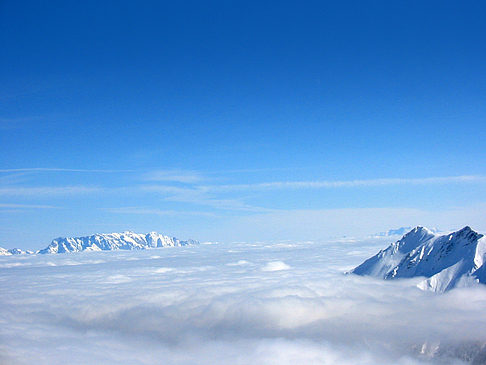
(421, 229)
(391, 232)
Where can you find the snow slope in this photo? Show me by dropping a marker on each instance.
(448, 261)
(113, 241)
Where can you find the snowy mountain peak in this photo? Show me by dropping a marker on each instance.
(448, 261)
(467, 233)
(113, 241)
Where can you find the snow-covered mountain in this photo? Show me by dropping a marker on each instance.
(13, 251)
(113, 241)
(447, 261)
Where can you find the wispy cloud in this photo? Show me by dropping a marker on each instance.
(263, 169)
(181, 176)
(48, 190)
(27, 206)
(329, 184)
(13, 178)
(229, 197)
(57, 169)
(200, 196)
(156, 211)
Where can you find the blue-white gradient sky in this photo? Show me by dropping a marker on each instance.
(240, 120)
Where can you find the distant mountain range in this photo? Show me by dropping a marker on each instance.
(106, 242)
(13, 251)
(447, 261)
(398, 232)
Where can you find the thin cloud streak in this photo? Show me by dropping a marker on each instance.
(211, 195)
(327, 184)
(27, 206)
(48, 190)
(56, 169)
(199, 195)
(263, 169)
(156, 211)
(181, 176)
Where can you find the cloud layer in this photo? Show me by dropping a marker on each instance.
(243, 303)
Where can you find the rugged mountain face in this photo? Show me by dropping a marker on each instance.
(447, 261)
(113, 241)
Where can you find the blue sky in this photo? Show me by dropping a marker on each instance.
(240, 120)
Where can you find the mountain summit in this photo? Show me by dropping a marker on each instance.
(447, 261)
(113, 241)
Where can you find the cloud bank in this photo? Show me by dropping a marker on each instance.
(216, 304)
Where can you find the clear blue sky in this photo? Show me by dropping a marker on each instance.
(197, 118)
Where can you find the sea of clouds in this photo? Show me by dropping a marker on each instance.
(240, 303)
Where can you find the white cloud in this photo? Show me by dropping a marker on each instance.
(275, 266)
(56, 169)
(155, 211)
(182, 176)
(26, 206)
(48, 190)
(329, 184)
(200, 196)
(187, 305)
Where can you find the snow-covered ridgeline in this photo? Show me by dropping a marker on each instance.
(447, 261)
(106, 242)
(114, 241)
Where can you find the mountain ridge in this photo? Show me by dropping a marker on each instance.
(105, 242)
(446, 261)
